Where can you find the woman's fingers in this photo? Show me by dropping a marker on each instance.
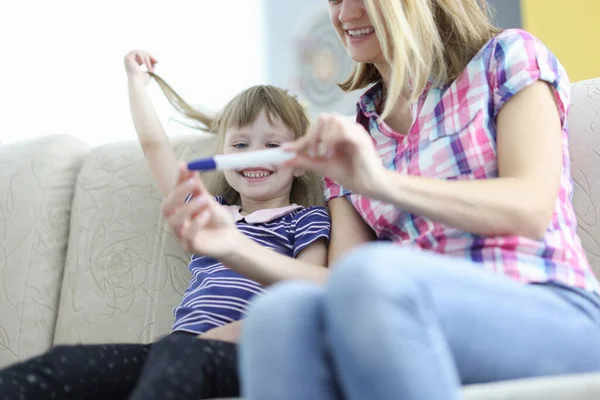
(304, 162)
(341, 138)
(306, 144)
(331, 135)
(298, 145)
(326, 139)
(316, 148)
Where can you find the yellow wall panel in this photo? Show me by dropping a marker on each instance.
(571, 29)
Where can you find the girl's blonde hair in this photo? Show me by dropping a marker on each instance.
(242, 111)
(422, 41)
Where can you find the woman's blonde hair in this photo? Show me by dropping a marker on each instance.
(423, 41)
(240, 112)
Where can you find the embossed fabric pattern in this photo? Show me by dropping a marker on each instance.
(584, 125)
(37, 182)
(124, 272)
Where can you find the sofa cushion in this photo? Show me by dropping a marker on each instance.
(584, 125)
(124, 271)
(37, 181)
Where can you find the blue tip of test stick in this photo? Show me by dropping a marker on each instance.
(206, 164)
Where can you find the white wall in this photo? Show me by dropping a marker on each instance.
(61, 68)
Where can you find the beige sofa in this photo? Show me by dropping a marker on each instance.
(85, 256)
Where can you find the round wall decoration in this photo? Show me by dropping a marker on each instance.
(321, 62)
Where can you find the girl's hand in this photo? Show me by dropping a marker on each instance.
(134, 60)
(343, 151)
(212, 232)
(202, 225)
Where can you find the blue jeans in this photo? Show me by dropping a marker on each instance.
(392, 323)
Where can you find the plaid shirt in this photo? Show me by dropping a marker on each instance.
(454, 137)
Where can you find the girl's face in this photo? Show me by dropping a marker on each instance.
(260, 184)
(353, 26)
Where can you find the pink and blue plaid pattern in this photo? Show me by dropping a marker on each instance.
(454, 137)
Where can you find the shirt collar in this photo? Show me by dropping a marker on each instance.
(370, 100)
(369, 104)
(261, 216)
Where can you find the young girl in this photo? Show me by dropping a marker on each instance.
(261, 211)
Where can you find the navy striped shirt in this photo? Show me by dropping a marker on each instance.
(217, 295)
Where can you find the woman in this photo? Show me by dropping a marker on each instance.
(460, 158)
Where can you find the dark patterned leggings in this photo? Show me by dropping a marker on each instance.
(179, 366)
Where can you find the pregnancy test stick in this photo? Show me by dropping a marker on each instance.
(260, 158)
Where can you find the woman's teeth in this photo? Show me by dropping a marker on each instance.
(361, 32)
(256, 174)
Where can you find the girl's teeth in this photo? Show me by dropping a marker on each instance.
(256, 174)
(361, 32)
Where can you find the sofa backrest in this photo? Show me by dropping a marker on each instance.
(124, 271)
(37, 183)
(584, 124)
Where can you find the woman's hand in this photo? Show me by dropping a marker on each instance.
(343, 151)
(134, 60)
(202, 225)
